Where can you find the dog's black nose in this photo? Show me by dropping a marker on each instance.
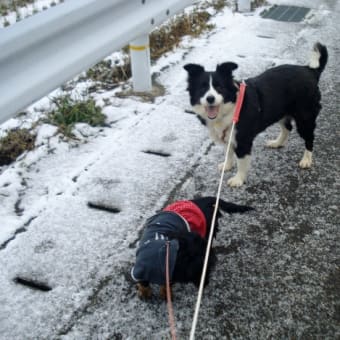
(210, 99)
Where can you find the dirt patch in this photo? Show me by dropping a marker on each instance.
(157, 90)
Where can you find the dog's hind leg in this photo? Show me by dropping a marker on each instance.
(286, 127)
(306, 131)
(243, 150)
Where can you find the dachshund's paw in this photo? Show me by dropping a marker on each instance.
(162, 292)
(144, 292)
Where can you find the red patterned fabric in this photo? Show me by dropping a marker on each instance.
(192, 214)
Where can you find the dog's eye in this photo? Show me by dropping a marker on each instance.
(219, 88)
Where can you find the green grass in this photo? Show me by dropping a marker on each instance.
(65, 114)
(69, 111)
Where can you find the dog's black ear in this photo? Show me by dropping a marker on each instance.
(226, 68)
(194, 69)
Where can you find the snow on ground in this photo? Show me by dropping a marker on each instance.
(49, 235)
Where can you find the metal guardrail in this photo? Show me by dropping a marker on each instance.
(40, 53)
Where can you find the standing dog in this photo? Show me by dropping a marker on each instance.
(280, 94)
(184, 227)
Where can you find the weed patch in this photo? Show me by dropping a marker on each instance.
(14, 144)
(169, 36)
(13, 6)
(16, 6)
(218, 5)
(108, 75)
(69, 111)
(258, 3)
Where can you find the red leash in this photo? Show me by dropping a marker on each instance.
(168, 295)
(238, 106)
(239, 102)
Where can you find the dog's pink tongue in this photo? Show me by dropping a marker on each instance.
(212, 111)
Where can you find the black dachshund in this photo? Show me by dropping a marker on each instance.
(184, 228)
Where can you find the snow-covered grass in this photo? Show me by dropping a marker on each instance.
(16, 10)
(111, 73)
(68, 112)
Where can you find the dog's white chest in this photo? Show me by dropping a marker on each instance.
(220, 129)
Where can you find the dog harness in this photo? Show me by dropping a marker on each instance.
(178, 217)
(151, 253)
(192, 214)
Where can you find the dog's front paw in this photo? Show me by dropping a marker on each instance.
(228, 166)
(144, 292)
(235, 181)
(306, 161)
(162, 292)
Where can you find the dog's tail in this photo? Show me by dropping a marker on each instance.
(318, 58)
(207, 206)
(209, 202)
(233, 208)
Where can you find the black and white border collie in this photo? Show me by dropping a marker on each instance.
(280, 94)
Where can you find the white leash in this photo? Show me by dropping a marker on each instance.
(207, 253)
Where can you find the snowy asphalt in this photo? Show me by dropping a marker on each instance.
(278, 270)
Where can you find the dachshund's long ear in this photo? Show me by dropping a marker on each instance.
(227, 68)
(194, 69)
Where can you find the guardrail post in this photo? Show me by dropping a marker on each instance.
(30, 67)
(140, 64)
(244, 5)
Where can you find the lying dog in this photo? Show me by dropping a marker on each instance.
(280, 94)
(185, 227)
